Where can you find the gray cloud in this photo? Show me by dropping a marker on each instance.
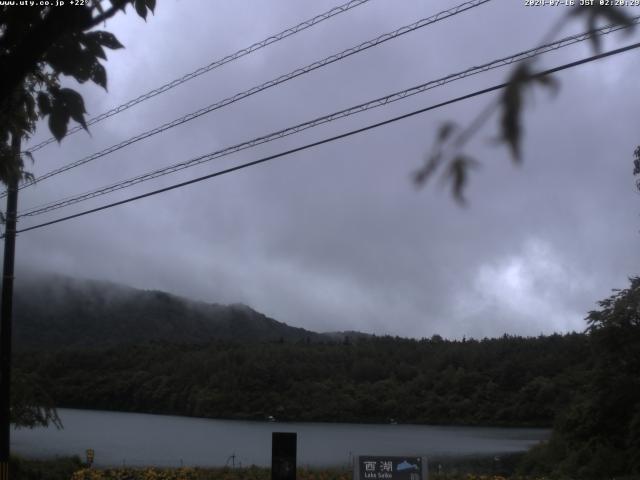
(337, 237)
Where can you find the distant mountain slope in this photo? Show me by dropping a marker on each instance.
(57, 311)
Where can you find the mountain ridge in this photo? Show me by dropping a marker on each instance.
(54, 311)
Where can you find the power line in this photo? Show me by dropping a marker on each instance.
(213, 65)
(271, 83)
(324, 119)
(64, 202)
(331, 139)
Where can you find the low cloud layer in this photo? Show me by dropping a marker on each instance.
(337, 237)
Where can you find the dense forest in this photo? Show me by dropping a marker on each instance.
(128, 356)
(505, 381)
(598, 434)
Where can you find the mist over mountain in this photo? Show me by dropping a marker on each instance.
(57, 311)
(111, 347)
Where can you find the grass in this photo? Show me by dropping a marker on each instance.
(251, 473)
(54, 469)
(72, 468)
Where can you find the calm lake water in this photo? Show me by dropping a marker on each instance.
(138, 439)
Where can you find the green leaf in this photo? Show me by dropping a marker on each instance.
(70, 59)
(458, 174)
(74, 104)
(99, 75)
(431, 165)
(92, 44)
(107, 39)
(151, 5)
(141, 8)
(607, 13)
(58, 120)
(596, 41)
(84, 66)
(62, 56)
(73, 99)
(511, 103)
(29, 155)
(435, 158)
(28, 177)
(445, 131)
(67, 103)
(30, 106)
(98, 6)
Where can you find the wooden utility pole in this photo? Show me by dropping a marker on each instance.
(6, 310)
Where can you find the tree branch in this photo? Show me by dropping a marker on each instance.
(57, 24)
(107, 14)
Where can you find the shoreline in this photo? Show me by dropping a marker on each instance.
(524, 426)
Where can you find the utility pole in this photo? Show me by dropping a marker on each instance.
(6, 309)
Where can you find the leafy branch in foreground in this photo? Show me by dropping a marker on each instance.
(39, 45)
(598, 435)
(447, 155)
(31, 404)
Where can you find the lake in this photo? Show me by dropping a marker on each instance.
(162, 440)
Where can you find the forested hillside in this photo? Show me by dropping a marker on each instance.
(102, 346)
(53, 311)
(598, 434)
(505, 381)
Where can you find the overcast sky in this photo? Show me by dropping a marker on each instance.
(337, 237)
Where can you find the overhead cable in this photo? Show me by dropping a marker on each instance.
(330, 139)
(213, 65)
(378, 102)
(272, 83)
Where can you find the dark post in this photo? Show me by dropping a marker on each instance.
(6, 309)
(283, 456)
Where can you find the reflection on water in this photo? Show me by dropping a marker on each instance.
(138, 439)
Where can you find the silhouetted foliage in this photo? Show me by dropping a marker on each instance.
(31, 404)
(598, 436)
(447, 153)
(38, 45)
(504, 381)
